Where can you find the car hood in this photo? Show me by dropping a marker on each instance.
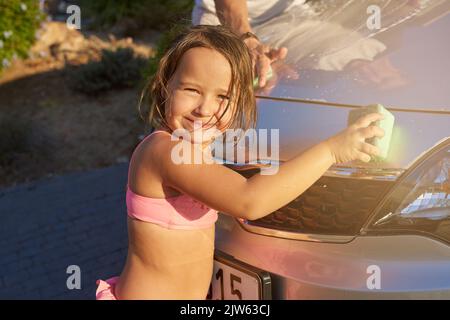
(409, 76)
(302, 125)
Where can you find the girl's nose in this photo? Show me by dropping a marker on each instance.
(206, 108)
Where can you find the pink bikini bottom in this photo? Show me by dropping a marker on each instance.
(105, 289)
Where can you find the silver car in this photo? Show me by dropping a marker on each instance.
(377, 230)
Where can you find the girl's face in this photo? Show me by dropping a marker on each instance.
(198, 93)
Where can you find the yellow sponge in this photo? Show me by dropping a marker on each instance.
(269, 75)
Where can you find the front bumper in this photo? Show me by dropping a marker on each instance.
(410, 266)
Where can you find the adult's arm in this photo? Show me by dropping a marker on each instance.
(234, 14)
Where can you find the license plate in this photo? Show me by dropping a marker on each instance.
(235, 280)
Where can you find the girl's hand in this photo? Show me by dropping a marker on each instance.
(350, 143)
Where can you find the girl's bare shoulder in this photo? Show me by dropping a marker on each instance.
(146, 165)
(157, 146)
(152, 150)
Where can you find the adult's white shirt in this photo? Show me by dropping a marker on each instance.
(258, 10)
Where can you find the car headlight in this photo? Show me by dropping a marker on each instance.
(419, 203)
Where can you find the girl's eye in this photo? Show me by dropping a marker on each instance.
(222, 97)
(192, 90)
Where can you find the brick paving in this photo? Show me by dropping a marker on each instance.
(48, 225)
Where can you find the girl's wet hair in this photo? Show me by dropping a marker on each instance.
(227, 43)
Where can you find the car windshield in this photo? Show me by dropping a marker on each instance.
(359, 52)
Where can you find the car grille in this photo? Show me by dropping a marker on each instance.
(332, 205)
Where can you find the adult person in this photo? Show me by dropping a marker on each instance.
(296, 33)
(242, 17)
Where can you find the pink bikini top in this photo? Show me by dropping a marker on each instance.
(179, 212)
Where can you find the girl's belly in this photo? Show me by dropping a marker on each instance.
(166, 264)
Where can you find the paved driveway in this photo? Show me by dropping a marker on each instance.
(48, 225)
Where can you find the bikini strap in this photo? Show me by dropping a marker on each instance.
(156, 131)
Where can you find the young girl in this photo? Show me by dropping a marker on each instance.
(205, 78)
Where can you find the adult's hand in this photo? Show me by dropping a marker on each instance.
(234, 14)
(380, 73)
(262, 57)
(280, 70)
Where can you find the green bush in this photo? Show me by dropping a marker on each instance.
(19, 21)
(116, 69)
(153, 14)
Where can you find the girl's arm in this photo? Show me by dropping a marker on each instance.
(225, 190)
